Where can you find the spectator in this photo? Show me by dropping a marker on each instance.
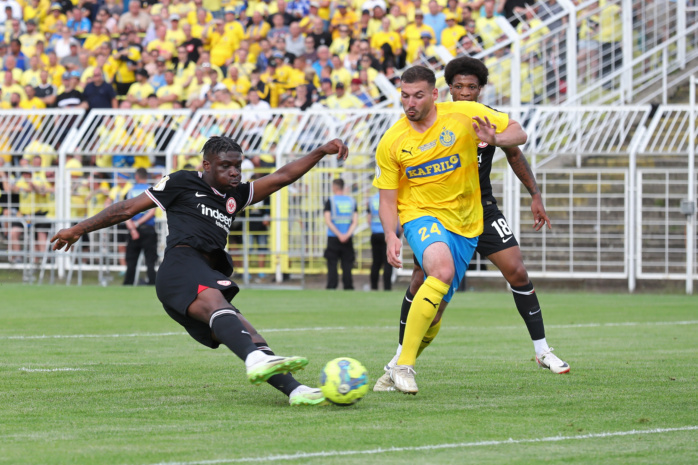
(79, 25)
(279, 29)
(436, 20)
(358, 92)
(256, 31)
(295, 40)
(98, 93)
(98, 36)
(468, 47)
(30, 38)
(222, 100)
(139, 91)
(138, 19)
(390, 43)
(412, 36)
(170, 93)
(323, 59)
(339, 72)
(194, 45)
(45, 91)
(487, 27)
(309, 54)
(63, 45)
(15, 30)
(71, 97)
(282, 11)
(340, 45)
(9, 87)
(320, 36)
(343, 16)
(513, 10)
(298, 9)
(31, 75)
(16, 51)
(452, 34)
(222, 43)
(164, 47)
(157, 79)
(54, 18)
(32, 102)
(341, 100)
(72, 60)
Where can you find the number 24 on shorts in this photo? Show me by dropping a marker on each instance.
(434, 230)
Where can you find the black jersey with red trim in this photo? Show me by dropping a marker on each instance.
(197, 214)
(485, 154)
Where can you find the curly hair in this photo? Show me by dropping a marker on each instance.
(218, 144)
(466, 66)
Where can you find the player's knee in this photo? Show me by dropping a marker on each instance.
(518, 276)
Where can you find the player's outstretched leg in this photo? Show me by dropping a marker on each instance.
(298, 394)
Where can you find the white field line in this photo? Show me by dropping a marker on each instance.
(34, 370)
(353, 328)
(458, 445)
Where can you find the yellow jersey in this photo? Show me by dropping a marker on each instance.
(436, 172)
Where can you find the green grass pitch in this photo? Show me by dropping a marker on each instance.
(96, 375)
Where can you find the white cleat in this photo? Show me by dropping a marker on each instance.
(551, 362)
(304, 395)
(403, 378)
(384, 383)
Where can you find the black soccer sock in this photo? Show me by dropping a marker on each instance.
(230, 332)
(404, 311)
(285, 383)
(529, 309)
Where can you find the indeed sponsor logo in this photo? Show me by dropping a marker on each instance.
(222, 220)
(434, 167)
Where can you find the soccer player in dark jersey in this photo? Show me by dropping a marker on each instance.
(466, 77)
(193, 281)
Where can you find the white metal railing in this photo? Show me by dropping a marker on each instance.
(588, 160)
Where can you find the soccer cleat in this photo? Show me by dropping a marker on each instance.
(550, 361)
(271, 365)
(403, 377)
(384, 383)
(304, 395)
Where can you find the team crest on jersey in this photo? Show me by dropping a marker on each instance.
(224, 282)
(447, 138)
(231, 205)
(160, 186)
(482, 145)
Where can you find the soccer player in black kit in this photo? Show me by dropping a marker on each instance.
(466, 77)
(193, 282)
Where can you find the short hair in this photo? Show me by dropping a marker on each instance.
(466, 66)
(218, 144)
(419, 74)
(142, 173)
(339, 182)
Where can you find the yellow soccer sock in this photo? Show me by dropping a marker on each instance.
(428, 337)
(424, 307)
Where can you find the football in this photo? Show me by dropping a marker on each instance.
(344, 381)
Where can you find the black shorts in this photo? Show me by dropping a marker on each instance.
(497, 235)
(179, 279)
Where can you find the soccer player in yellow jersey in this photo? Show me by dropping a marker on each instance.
(427, 173)
(466, 77)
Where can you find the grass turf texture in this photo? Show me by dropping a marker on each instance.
(163, 398)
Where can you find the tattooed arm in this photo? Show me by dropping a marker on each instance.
(113, 214)
(522, 170)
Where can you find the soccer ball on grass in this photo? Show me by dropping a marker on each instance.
(344, 381)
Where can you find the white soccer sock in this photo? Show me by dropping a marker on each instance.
(393, 361)
(541, 345)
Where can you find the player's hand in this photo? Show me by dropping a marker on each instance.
(336, 146)
(65, 238)
(486, 131)
(540, 218)
(392, 251)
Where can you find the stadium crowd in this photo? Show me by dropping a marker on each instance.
(214, 53)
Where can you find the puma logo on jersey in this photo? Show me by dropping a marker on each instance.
(407, 151)
(435, 305)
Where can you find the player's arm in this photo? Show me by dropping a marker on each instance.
(513, 135)
(522, 170)
(387, 211)
(113, 214)
(288, 174)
